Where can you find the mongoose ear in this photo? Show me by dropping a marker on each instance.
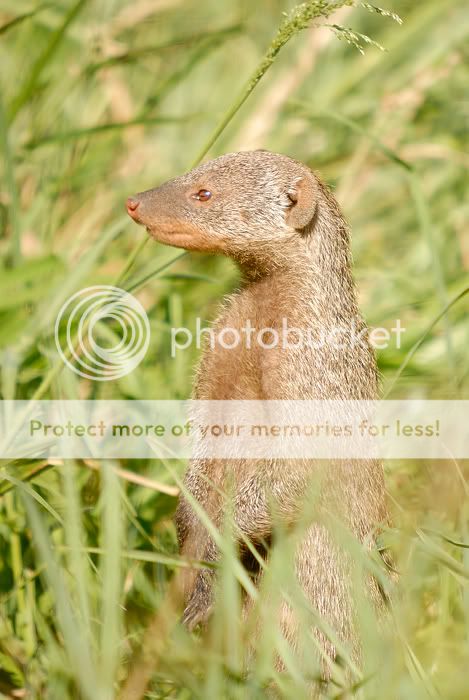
(303, 202)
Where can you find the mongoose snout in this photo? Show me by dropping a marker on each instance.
(132, 205)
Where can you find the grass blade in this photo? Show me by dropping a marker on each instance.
(419, 342)
(29, 86)
(110, 569)
(20, 18)
(9, 174)
(78, 652)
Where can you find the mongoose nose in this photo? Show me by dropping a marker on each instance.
(132, 206)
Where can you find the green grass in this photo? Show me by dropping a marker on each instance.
(100, 100)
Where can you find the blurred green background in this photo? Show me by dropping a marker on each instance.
(99, 100)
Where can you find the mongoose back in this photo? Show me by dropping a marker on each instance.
(282, 226)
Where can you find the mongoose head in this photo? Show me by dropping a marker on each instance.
(245, 205)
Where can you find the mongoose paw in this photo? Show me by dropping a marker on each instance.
(199, 606)
(195, 615)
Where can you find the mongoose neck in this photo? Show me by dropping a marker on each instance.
(316, 265)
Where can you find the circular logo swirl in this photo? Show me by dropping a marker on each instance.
(102, 333)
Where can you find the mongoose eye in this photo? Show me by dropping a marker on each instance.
(202, 195)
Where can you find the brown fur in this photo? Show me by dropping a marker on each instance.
(284, 229)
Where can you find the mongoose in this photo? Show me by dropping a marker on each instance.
(282, 226)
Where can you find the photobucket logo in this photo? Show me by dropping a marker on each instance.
(102, 333)
(338, 337)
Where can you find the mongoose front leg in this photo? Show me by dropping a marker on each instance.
(251, 523)
(200, 602)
